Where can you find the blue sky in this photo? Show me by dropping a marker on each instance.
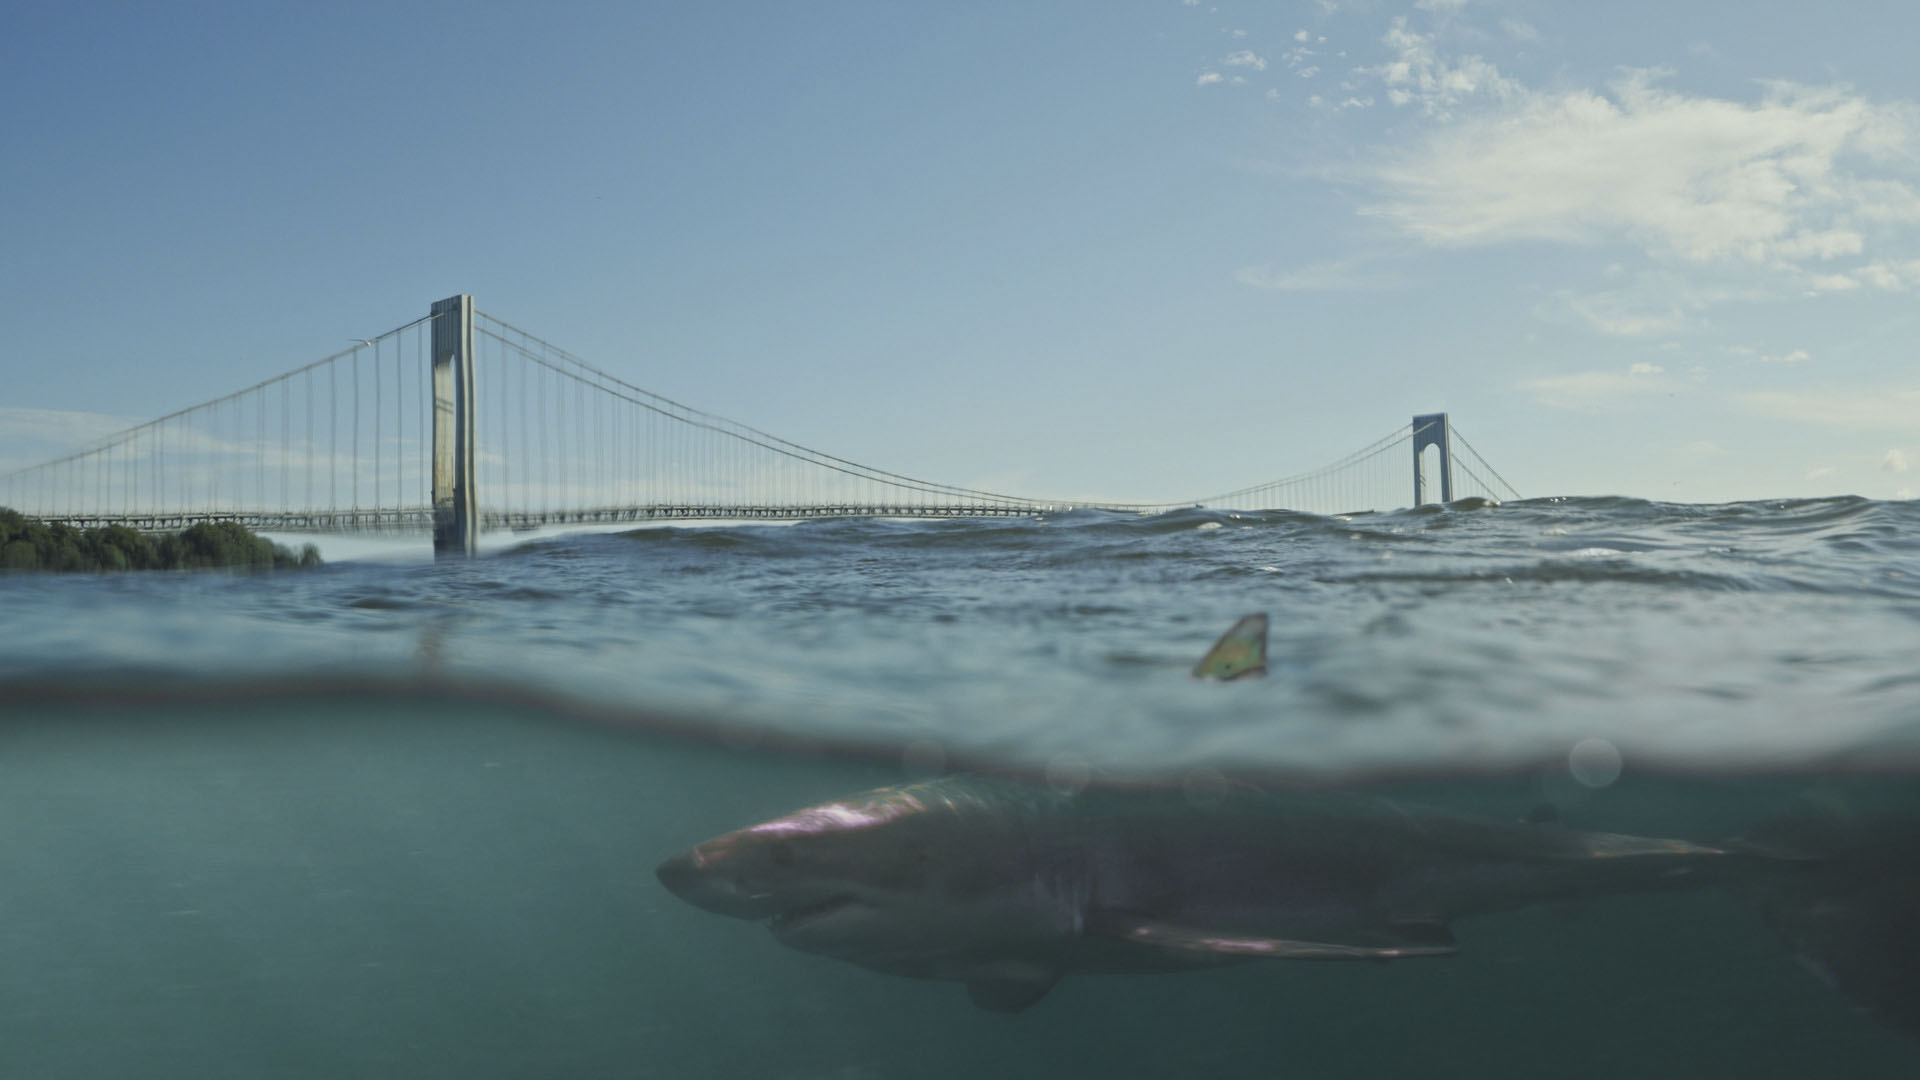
(1131, 249)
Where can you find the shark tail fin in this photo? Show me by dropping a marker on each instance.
(1848, 903)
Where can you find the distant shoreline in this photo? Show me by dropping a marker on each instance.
(26, 544)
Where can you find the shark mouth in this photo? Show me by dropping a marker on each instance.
(797, 918)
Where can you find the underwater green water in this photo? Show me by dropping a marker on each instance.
(382, 820)
(361, 886)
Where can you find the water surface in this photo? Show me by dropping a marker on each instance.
(400, 820)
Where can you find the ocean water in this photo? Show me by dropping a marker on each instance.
(401, 818)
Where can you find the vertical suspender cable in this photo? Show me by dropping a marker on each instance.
(354, 454)
(333, 438)
(377, 410)
(399, 426)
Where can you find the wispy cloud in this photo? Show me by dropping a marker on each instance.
(1616, 313)
(1519, 30)
(1591, 391)
(1891, 409)
(1697, 179)
(1209, 78)
(1419, 75)
(1808, 189)
(1897, 460)
(59, 431)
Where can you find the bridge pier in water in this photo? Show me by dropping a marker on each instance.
(456, 517)
(1430, 429)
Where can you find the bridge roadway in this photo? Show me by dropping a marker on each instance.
(420, 518)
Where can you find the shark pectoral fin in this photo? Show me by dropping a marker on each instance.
(1242, 650)
(1187, 939)
(1011, 991)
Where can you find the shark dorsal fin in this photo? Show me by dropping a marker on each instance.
(1187, 939)
(1241, 651)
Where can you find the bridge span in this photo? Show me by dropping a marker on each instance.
(459, 423)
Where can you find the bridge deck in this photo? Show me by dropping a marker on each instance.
(420, 519)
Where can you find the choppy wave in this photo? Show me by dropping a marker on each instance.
(1734, 636)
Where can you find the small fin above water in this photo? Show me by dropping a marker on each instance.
(1438, 942)
(1011, 993)
(1241, 651)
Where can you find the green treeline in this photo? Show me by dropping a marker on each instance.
(34, 545)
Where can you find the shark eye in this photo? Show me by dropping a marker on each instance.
(780, 852)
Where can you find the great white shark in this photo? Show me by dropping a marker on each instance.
(1007, 887)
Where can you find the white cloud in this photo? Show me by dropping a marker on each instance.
(1826, 283)
(1880, 276)
(1882, 410)
(1823, 244)
(1441, 7)
(1208, 78)
(1897, 460)
(1589, 391)
(1519, 30)
(1419, 75)
(1245, 58)
(1795, 190)
(1697, 179)
(1747, 354)
(1617, 314)
(1820, 472)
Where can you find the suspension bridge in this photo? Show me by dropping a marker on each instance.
(459, 423)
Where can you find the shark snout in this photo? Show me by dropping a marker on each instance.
(702, 879)
(681, 875)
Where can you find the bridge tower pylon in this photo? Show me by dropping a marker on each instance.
(456, 514)
(1430, 429)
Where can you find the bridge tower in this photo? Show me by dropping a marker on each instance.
(456, 518)
(1430, 429)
